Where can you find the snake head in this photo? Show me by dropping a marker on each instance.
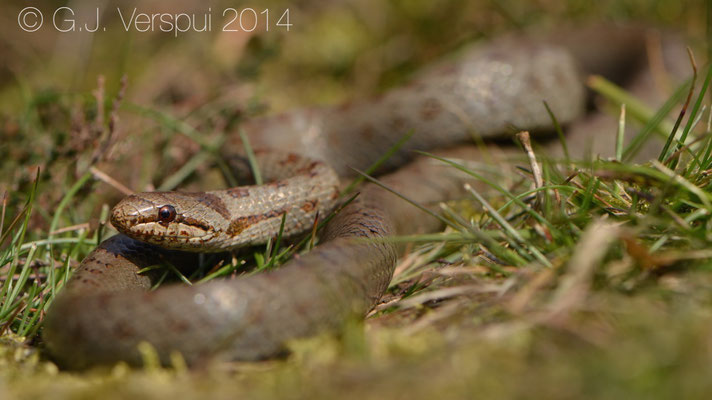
(178, 220)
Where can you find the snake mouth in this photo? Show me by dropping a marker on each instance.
(174, 230)
(176, 235)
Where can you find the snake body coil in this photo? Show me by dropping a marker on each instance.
(105, 311)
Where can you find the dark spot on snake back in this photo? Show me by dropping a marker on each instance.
(309, 205)
(213, 202)
(238, 192)
(430, 109)
(239, 224)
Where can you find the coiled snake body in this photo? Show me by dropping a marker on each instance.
(105, 311)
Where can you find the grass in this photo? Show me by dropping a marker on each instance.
(594, 282)
(601, 253)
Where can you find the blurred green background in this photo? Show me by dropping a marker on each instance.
(211, 80)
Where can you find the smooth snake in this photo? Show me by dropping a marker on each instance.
(106, 310)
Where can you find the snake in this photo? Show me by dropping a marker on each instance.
(107, 308)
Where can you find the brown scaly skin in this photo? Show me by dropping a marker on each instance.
(221, 220)
(105, 312)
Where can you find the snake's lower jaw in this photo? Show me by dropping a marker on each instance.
(176, 236)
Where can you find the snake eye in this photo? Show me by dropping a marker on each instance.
(166, 213)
